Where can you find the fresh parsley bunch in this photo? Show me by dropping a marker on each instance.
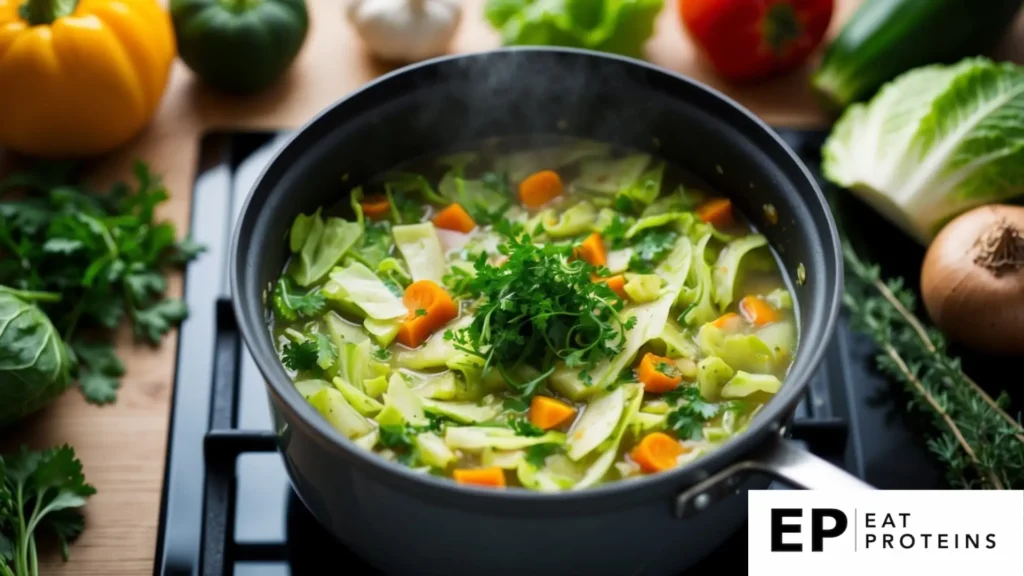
(104, 254)
(39, 492)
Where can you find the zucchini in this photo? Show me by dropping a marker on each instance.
(885, 38)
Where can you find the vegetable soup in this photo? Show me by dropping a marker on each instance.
(549, 317)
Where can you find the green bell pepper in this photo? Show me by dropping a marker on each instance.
(239, 46)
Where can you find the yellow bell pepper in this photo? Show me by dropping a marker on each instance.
(80, 77)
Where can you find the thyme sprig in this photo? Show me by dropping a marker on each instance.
(980, 444)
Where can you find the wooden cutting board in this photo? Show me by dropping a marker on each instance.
(123, 446)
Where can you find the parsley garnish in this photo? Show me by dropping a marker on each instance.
(421, 312)
(525, 428)
(509, 228)
(381, 354)
(653, 245)
(299, 356)
(615, 232)
(692, 411)
(39, 492)
(291, 304)
(538, 453)
(400, 440)
(315, 355)
(670, 370)
(540, 307)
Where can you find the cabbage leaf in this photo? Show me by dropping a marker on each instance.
(933, 143)
(422, 251)
(318, 245)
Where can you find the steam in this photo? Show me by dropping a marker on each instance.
(516, 92)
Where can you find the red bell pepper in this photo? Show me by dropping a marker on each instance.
(754, 39)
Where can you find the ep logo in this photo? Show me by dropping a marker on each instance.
(824, 523)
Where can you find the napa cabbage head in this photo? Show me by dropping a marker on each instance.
(933, 143)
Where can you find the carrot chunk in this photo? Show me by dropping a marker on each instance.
(493, 476)
(727, 321)
(757, 311)
(375, 207)
(717, 212)
(617, 283)
(430, 308)
(454, 217)
(540, 188)
(657, 452)
(546, 413)
(592, 250)
(658, 374)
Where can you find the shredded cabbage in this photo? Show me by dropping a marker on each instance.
(421, 250)
(727, 267)
(356, 289)
(319, 245)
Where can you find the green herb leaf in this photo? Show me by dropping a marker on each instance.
(47, 487)
(541, 303)
(650, 246)
(300, 356)
(290, 303)
(688, 418)
(538, 453)
(525, 427)
(104, 252)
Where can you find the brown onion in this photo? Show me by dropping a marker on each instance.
(972, 279)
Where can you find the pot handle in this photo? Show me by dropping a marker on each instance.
(783, 461)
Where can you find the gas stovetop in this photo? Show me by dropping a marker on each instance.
(228, 507)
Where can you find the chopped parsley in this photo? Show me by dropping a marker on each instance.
(381, 354)
(649, 247)
(299, 356)
(314, 355)
(692, 411)
(615, 232)
(670, 370)
(538, 453)
(292, 304)
(541, 307)
(421, 312)
(525, 428)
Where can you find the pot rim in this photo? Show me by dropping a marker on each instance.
(766, 425)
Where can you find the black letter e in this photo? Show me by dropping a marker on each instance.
(778, 529)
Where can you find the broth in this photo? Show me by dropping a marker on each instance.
(551, 316)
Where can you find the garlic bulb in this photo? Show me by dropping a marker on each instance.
(405, 30)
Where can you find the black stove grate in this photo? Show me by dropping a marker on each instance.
(227, 506)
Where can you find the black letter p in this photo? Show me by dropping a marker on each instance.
(818, 532)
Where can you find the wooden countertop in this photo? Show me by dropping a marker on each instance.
(123, 446)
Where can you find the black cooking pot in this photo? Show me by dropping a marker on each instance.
(409, 523)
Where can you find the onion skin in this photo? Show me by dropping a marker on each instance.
(971, 303)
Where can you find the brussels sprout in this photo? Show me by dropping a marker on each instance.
(35, 363)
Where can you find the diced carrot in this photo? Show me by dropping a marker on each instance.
(717, 212)
(375, 207)
(757, 311)
(539, 188)
(617, 283)
(726, 321)
(657, 452)
(454, 217)
(592, 250)
(547, 413)
(493, 476)
(430, 308)
(658, 374)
